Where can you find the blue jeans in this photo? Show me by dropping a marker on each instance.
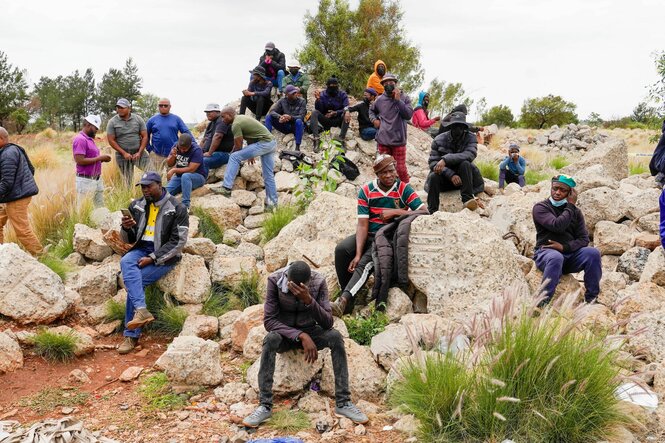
(186, 183)
(136, 279)
(368, 134)
(216, 160)
(554, 264)
(297, 127)
(262, 149)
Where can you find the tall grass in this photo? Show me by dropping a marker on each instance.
(363, 328)
(488, 170)
(56, 264)
(559, 162)
(169, 317)
(117, 195)
(280, 217)
(532, 176)
(207, 226)
(55, 347)
(637, 168)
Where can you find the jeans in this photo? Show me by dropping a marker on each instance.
(216, 160)
(327, 123)
(274, 343)
(185, 184)
(554, 264)
(278, 81)
(86, 187)
(345, 251)
(258, 104)
(292, 127)
(262, 149)
(16, 212)
(136, 279)
(127, 166)
(507, 176)
(472, 183)
(368, 134)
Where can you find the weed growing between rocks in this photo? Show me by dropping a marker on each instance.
(55, 347)
(115, 310)
(362, 328)
(216, 303)
(289, 421)
(247, 290)
(48, 399)
(559, 162)
(488, 170)
(532, 176)
(280, 217)
(207, 226)
(169, 317)
(526, 378)
(322, 175)
(244, 367)
(157, 393)
(636, 168)
(56, 264)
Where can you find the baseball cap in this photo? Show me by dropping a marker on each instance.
(94, 120)
(210, 107)
(270, 45)
(290, 89)
(150, 177)
(123, 103)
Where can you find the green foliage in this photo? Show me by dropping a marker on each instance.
(290, 421)
(247, 290)
(657, 90)
(320, 176)
(533, 176)
(115, 310)
(13, 88)
(157, 393)
(637, 168)
(488, 169)
(594, 119)
(118, 83)
(146, 105)
(362, 329)
(55, 347)
(445, 96)
(63, 234)
(547, 111)
(500, 115)
(65, 100)
(243, 294)
(346, 43)
(280, 217)
(118, 195)
(170, 319)
(216, 303)
(48, 399)
(244, 367)
(56, 264)
(207, 226)
(559, 162)
(20, 118)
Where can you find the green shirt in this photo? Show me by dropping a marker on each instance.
(372, 201)
(127, 132)
(250, 129)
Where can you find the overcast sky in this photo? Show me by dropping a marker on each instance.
(595, 53)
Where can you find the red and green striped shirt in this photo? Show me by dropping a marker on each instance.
(372, 201)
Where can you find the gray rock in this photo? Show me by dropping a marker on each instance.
(90, 243)
(192, 361)
(188, 281)
(633, 261)
(11, 356)
(201, 246)
(612, 238)
(97, 283)
(203, 326)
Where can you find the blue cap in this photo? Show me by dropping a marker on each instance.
(150, 177)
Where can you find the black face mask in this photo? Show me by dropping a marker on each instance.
(332, 90)
(457, 132)
(366, 100)
(425, 104)
(389, 89)
(270, 52)
(293, 71)
(381, 70)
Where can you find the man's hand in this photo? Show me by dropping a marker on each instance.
(126, 155)
(145, 261)
(251, 160)
(377, 123)
(300, 291)
(572, 196)
(398, 94)
(311, 354)
(438, 168)
(268, 58)
(207, 154)
(347, 117)
(331, 114)
(105, 158)
(245, 92)
(354, 263)
(551, 244)
(457, 181)
(137, 155)
(127, 222)
(284, 118)
(515, 157)
(174, 152)
(317, 94)
(437, 118)
(388, 214)
(170, 173)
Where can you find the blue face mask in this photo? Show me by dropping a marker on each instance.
(558, 203)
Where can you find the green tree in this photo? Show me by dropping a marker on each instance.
(657, 90)
(49, 92)
(445, 96)
(344, 42)
(20, 118)
(91, 106)
(500, 115)
(75, 95)
(13, 88)
(594, 119)
(118, 83)
(547, 111)
(146, 105)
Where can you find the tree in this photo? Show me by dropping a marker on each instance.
(75, 95)
(49, 91)
(116, 84)
(20, 118)
(91, 106)
(547, 111)
(657, 90)
(146, 105)
(445, 96)
(500, 115)
(13, 88)
(594, 119)
(346, 43)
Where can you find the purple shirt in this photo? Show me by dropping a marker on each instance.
(85, 146)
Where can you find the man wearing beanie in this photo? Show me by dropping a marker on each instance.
(379, 202)
(367, 129)
(329, 109)
(562, 241)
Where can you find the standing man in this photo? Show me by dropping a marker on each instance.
(89, 161)
(298, 79)
(274, 63)
(374, 80)
(17, 186)
(187, 169)
(562, 241)
(390, 113)
(163, 129)
(158, 228)
(128, 137)
(257, 95)
(329, 109)
(261, 143)
(297, 316)
(288, 115)
(366, 127)
(217, 139)
(379, 202)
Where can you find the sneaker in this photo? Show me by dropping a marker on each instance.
(128, 344)
(221, 190)
(141, 318)
(316, 144)
(351, 411)
(260, 414)
(471, 204)
(339, 306)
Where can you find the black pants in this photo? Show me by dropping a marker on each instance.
(327, 123)
(345, 251)
(472, 183)
(258, 104)
(275, 343)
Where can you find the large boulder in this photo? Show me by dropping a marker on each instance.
(192, 361)
(253, 346)
(610, 285)
(224, 211)
(644, 309)
(29, 291)
(292, 373)
(98, 282)
(398, 304)
(612, 238)
(90, 243)
(601, 204)
(641, 203)
(203, 326)
(11, 356)
(513, 214)
(594, 177)
(188, 281)
(229, 267)
(567, 285)
(460, 262)
(654, 269)
(633, 261)
(201, 246)
(389, 345)
(611, 155)
(250, 318)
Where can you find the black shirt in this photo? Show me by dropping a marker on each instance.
(217, 126)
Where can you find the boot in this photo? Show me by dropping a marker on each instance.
(127, 345)
(339, 306)
(141, 318)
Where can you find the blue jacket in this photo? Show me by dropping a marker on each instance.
(327, 102)
(16, 174)
(163, 133)
(264, 89)
(517, 169)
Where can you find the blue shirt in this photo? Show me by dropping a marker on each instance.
(517, 169)
(163, 133)
(194, 155)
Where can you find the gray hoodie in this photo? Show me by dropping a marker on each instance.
(394, 115)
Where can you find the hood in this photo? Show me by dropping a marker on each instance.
(421, 97)
(380, 62)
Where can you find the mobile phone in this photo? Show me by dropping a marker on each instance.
(126, 213)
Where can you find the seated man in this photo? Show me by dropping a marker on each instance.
(562, 241)
(288, 115)
(274, 63)
(257, 95)
(451, 163)
(444, 127)
(154, 253)
(657, 163)
(187, 169)
(379, 201)
(298, 79)
(217, 139)
(374, 80)
(420, 117)
(367, 129)
(297, 315)
(330, 106)
(512, 168)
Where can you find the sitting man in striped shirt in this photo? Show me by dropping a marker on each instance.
(379, 202)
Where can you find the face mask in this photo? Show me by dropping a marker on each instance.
(381, 70)
(457, 132)
(270, 52)
(390, 88)
(425, 104)
(293, 71)
(366, 100)
(557, 203)
(332, 90)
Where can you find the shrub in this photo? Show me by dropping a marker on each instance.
(488, 170)
(532, 176)
(156, 391)
(289, 421)
(546, 111)
(319, 177)
(362, 329)
(46, 400)
(559, 162)
(55, 347)
(637, 168)
(216, 303)
(247, 291)
(115, 310)
(207, 226)
(170, 319)
(500, 115)
(280, 217)
(56, 265)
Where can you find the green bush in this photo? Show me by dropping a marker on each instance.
(63, 237)
(216, 303)
(559, 162)
(55, 347)
(207, 226)
(500, 115)
(488, 170)
(280, 217)
(170, 320)
(320, 176)
(362, 329)
(156, 391)
(532, 176)
(247, 290)
(289, 421)
(637, 168)
(56, 264)
(115, 310)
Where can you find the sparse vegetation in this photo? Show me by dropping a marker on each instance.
(207, 226)
(488, 170)
(115, 310)
(50, 398)
(55, 347)
(157, 393)
(289, 421)
(320, 176)
(637, 168)
(56, 265)
(280, 217)
(363, 328)
(247, 290)
(559, 162)
(533, 176)
(243, 368)
(170, 319)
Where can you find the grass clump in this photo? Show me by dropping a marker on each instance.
(245, 293)
(488, 170)
(50, 398)
(280, 217)
(289, 421)
(532, 176)
(56, 264)
(55, 347)
(363, 328)
(170, 320)
(157, 393)
(559, 162)
(636, 168)
(207, 226)
(115, 310)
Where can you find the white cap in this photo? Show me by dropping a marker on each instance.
(94, 120)
(212, 107)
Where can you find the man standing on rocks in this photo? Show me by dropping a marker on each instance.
(89, 162)
(329, 109)
(288, 115)
(217, 139)
(257, 95)
(451, 165)
(379, 202)
(562, 241)
(261, 144)
(17, 186)
(158, 226)
(297, 316)
(163, 129)
(128, 136)
(390, 113)
(365, 125)
(187, 169)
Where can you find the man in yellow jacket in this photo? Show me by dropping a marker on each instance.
(374, 80)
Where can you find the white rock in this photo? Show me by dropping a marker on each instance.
(389, 345)
(243, 198)
(131, 373)
(255, 221)
(250, 317)
(203, 326)
(231, 237)
(253, 345)
(612, 238)
(97, 283)
(612, 155)
(231, 393)
(247, 249)
(192, 361)
(201, 246)
(601, 204)
(11, 356)
(90, 243)
(292, 374)
(398, 304)
(224, 211)
(188, 281)
(286, 181)
(654, 269)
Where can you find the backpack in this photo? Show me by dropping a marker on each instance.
(346, 167)
(295, 157)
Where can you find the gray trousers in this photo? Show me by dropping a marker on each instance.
(127, 166)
